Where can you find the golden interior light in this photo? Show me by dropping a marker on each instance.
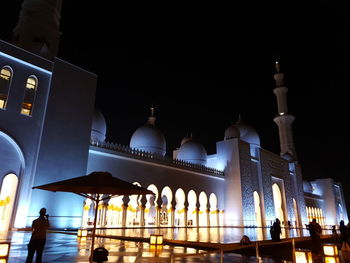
(330, 250)
(4, 250)
(153, 240)
(82, 233)
(331, 259)
(5, 74)
(25, 111)
(159, 240)
(152, 247)
(31, 83)
(303, 256)
(156, 239)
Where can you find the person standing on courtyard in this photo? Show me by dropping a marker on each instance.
(276, 230)
(38, 238)
(344, 236)
(315, 231)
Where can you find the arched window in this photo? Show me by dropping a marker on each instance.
(7, 197)
(29, 95)
(5, 81)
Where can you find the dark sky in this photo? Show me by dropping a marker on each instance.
(201, 65)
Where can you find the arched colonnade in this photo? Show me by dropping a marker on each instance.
(167, 208)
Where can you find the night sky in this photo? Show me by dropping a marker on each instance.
(203, 65)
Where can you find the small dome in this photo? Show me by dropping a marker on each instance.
(98, 127)
(231, 132)
(248, 133)
(192, 152)
(149, 138)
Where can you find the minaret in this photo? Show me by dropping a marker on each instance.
(284, 120)
(37, 29)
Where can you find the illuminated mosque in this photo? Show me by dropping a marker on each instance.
(51, 131)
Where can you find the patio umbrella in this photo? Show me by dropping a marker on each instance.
(92, 186)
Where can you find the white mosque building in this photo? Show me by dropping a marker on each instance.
(51, 131)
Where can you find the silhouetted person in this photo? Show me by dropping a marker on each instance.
(315, 231)
(335, 236)
(344, 235)
(276, 230)
(245, 240)
(38, 238)
(100, 255)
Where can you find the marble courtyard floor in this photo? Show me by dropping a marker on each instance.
(65, 247)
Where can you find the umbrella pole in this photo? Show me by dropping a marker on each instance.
(94, 230)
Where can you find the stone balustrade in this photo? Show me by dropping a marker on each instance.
(155, 157)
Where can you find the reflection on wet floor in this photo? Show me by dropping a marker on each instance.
(63, 248)
(68, 248)
(204, 234)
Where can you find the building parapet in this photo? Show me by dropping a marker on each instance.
(155, 157)
(312, 196)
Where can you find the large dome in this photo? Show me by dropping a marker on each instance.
(193, 152)
(248, 133)
(98, 127)
(231, 132)
(149, 138)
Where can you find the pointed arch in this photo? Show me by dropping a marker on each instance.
(192, 208)
(296, 214)
(87, 211)
(166, 208)
(151, 206)
(29, 95)
(180, 211)
(257, 209)
(6, 74)
(213, 210)
(278, 202)
(258, 218)
(203, 209)
(11, 149)
(115, 211)
(133, 216)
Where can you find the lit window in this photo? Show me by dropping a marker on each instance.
(29, 94)
(5, 80)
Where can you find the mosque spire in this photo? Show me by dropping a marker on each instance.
(152, 118)
(187, 138)
(284, 119)
(279, 77)
(37, 29)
